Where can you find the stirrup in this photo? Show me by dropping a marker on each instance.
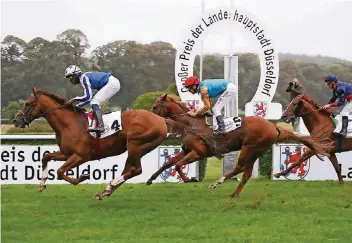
(97, 129)
(217, 131)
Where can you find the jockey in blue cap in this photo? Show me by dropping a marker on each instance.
(341, 95)
(104, 82)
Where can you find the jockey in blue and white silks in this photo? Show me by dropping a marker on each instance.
(212, 88)
(341, 95)
(107, 85)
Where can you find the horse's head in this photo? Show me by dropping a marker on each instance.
(293, 84)
(40, 104)
(30, 111)
(302, 105)
(169, 106)
(294, 109)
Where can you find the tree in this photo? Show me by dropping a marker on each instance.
(12, 50)
(74, 44)
(9, 112)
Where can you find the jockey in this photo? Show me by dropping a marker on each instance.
(295, 88)
(107, 85)
(341, 92)
(212, 88)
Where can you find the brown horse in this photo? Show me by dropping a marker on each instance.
(142, 132)
(253, 138)
(319, 124)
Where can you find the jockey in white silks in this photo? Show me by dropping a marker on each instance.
(106, 84)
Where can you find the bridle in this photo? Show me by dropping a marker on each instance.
(27, 114)
(161, 108)
(298, 110)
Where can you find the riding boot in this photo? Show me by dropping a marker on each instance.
(344, 126)
(97, 112)
(221, 124)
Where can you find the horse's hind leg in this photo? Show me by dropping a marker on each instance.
(246, 160)
(237, 170)
(246, 152)
(132, 167)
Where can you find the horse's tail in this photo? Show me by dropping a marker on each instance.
(209, 138)
(320, 146)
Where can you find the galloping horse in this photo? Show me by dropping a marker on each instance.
(253, 138)
(320, 124)
(142, 132)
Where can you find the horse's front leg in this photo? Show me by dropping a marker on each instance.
(165, 166)
(189, 158)
(57, 156)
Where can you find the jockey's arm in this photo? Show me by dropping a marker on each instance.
(206, 100)
(88, 94)
(341, 99)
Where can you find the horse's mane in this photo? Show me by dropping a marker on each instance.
(315, 104)
(177, 100)
(61, 100)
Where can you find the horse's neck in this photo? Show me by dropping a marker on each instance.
(315, 121)
(60, 119)
(191, 121)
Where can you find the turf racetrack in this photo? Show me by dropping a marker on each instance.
(267, 211)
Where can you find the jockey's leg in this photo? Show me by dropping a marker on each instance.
(103, 95)
(344, 113)
(224, 99)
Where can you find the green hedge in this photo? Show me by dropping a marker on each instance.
(266, 164)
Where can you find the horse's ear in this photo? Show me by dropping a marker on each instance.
(34, 90)
(164, 97)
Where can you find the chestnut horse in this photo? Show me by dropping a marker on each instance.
(319, 123)
(142, 132)
(255, 136)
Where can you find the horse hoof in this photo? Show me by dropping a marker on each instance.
(193, 179)
(148, 183)
(42, 188)
(212, 186)
(84, 177)
(98, 197)
(277, 175)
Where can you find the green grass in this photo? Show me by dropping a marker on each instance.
(267, 211)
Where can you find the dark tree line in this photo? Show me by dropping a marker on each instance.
(141, 68)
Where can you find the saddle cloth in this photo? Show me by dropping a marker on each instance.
(112, 123)
(338, 127)
(231, 123)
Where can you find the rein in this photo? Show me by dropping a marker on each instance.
(27, 114)
(161, 107)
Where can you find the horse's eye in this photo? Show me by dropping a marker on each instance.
(154, 107)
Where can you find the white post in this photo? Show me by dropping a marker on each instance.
(201, 51)
(231, 73)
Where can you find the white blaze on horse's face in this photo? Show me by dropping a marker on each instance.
(289, 113)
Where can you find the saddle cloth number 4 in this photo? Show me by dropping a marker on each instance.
(112, 123)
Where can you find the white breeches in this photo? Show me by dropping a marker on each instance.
(108, 91)
(347, 109)
(224, 99)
